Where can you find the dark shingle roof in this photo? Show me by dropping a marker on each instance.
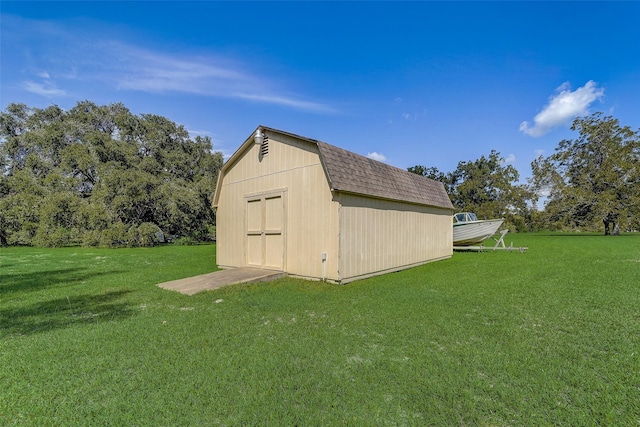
(352, 173)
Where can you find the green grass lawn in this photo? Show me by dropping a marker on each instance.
(548, 337)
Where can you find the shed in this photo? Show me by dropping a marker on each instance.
(294, 204)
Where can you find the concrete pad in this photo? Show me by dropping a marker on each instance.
(218, 279)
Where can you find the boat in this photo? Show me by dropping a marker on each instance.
(469, 230)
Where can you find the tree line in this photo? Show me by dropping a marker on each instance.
(489, 188)
(589, 182)
(102, 176)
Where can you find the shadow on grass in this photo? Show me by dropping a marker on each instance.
(64, 312)
(37, 280)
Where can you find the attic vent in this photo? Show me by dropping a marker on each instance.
(264, 147)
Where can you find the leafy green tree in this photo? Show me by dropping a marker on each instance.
(102, 175)
(20, 199)
(430, 172)
(592, 179)
(58, 225)
(487, 187)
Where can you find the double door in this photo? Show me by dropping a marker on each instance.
(265, 230)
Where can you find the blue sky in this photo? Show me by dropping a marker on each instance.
(407, 83)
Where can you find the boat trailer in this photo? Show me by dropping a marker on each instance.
(499, 246)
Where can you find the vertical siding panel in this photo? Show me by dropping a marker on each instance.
(380, 255)
(353, 224)
(383, 235)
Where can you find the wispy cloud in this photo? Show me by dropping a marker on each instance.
(75, 58)
(133, 68)
(563, 107)
(286, 102)
(377, 156)
(44, 88)
(208, 75)
(511, 158)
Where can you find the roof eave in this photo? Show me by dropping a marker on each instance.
(373, 196)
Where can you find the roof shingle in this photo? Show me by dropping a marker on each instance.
(352, 173)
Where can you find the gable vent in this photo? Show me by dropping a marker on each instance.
(264, 147)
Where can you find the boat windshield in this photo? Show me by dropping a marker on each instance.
(465, 217)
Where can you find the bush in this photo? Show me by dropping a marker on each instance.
(146, 234)
(24, 236)
(57, 238)
(91, 238)
(114, 237)
(211, 233)
(185, 241)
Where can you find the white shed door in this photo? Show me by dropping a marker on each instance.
(265, 231)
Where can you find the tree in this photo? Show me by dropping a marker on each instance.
(490, 188)
(487, 187)
(429, 172)
(101, 175)
(20, 200)
(593, 179)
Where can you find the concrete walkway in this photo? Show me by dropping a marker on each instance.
(218, 279)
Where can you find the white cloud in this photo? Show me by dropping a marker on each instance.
(45, 88)
(286, 102)
(147, 71)
(563, 107)
(511, 158)
(134, 68)
(377, 156)
(78, 59)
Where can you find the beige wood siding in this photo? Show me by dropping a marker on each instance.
(378, 235)
(308, 225)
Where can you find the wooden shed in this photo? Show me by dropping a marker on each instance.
(294, 204)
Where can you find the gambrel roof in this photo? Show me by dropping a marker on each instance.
(349, 172)
(352, 173)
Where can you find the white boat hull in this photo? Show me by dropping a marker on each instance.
(474, 232)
